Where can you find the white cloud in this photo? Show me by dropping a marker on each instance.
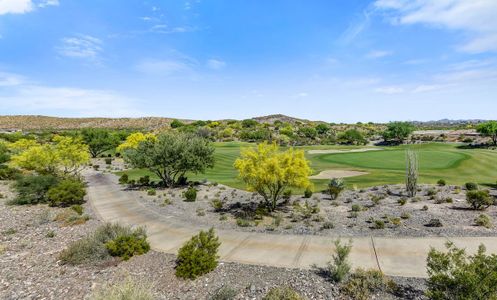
(8, 79)
(164, 67)
(477, 18)
(215, 64)
(82, 46)
(46, 3)
(378, 54)
(390, 90)
(15, 6)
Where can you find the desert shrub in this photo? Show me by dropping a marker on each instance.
(379, 224)
(277, 220)
(7, 173)
(190, 194)
(124, 179)
(479, 199)
(127, 290)
(471, 186)
(402, 201)
(287, 194)
(92, 248)
(307, 193)
(96, 167)
(455, 275)
(126, 246)
(66, 193)
(108, 161)
(441, 182)
(376, 199)
(282, 293)
(224, 293)
(241, 222)
(425, 207)
(405, 215)
(132, 182)
(33, 189)
(431, 192)
(151, 192)
(434, 223)
(217, 204)
(77, 208)
(50, 234)
(198, 256)
(484, 220)
(70, 217)
(327, 225)
(362, 283)
(356, 207)
(144, 180)
(335, 187)
(339, 267)
(200, 212)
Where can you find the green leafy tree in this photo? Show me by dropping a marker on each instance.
(308, 132)
(352, 137)
(322, 128)
(98, 140)
(488, 129)
(198, 256)
(398, 131)
(171, 156)
(453, 275)
(177, 123)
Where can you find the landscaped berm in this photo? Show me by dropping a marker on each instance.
(175, 213)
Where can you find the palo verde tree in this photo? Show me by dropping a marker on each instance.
(488, 129)
(171, 156)
(398, 132)
(98, 140)
(133, 140)
(269, 172)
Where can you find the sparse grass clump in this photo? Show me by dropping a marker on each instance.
(484, 220)
(378, 224)
(127, 290)
(282, 293)
(364, 282)
(151, 192)
(356, 207)
(71, 217)
(224, 293)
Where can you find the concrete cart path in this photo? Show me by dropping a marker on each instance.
(394, 256)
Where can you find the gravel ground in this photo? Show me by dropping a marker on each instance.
(29, 267)
(447, 204)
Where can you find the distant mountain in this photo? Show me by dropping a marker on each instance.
(279, 117)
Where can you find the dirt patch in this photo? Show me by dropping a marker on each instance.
(329, 174)
(330, 151)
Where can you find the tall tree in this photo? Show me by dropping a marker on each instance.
(488, 129)
(398, 131)
(98, 140)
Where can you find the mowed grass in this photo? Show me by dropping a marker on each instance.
(385, 166)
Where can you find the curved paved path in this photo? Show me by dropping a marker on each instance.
(394, 256)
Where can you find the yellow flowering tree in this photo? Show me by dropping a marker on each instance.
(134, 139)
(268, 171)
(72, 154)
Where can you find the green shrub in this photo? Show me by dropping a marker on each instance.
(66, 193)
(335, 187)
(224, 293)
(425, 207)
(405, 215)
(327, 225)
(484, 220)
(402, 201)
(479, 199)
(287, 194)
(127, 290)
(471, 186)
(441, 182)
(356, 207)
(92, 248)
(7, 173)
(283, 293)
(70, 217)
(151, 192)
(431, 192)
(307, 193)
(241, 222)
(379, 224)
(190, 194)
(364, 282)
(144, 180)
(33, 189)
(198, 256)
(124, 179)
(108, 161)
(126, 246)
(339, 267)
(376, 199)
(96, 167)
(217, 204)
(434, 223)
(455, 275)
(77, 208)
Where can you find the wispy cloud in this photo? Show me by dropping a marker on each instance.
(476, 18)
(215, 64)
(378, 54)
(15, 6)
(164, 67)
(390, 90)
(9, 79)
(81, 46)
(356, 27)
(46, 3)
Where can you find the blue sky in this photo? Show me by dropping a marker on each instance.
(332, 60)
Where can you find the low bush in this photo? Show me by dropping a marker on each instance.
(356, 207)
(339, 267)
(287, 194)
(69, 217)
(396, 221)
(425, 207)
(190, 194)
(33, 189)
(151, 192)
(198, 256)
(66, 193)
(471, 186)
(484, 220)
(241, 222)
(327, 225)
(77, 208)
(402, 201)
(108, 161)
(455, 275)
(364, 282)
(124, 179)
(441, 182)
(434, 223)
(479, 199)
(92, 248)
(405, 215)
(127, 290)
(224, 293)
(126, 246)
(307, 193)
(217, 204)
(144, 180)
(379, 224)
(335, 187)
(282, 293)
(7, 173)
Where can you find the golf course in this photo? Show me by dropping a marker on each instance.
(385, 165)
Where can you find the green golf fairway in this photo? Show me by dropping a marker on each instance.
(384, 166)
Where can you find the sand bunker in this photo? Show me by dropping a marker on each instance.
(327, 151)
(329, 174)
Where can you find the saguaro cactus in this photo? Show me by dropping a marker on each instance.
(411, 173)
